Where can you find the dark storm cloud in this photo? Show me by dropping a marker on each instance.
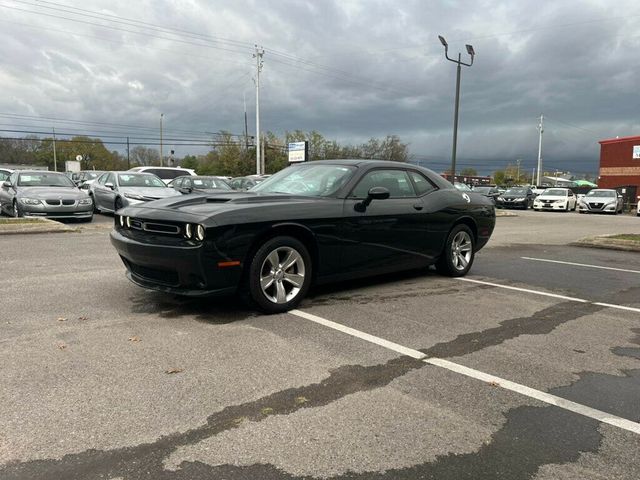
(348, 69)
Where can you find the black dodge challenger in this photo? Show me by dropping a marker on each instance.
(314, 222)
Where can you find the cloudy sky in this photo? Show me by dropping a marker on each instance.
(350, 69)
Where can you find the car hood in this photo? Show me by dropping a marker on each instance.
(512, 196)
(51, 192)
(599, 199)
(234, 206)
(150, 192)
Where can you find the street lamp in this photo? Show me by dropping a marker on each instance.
(161, 115)
(459, 62)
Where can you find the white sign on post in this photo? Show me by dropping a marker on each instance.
(636, 152)
(297, 152)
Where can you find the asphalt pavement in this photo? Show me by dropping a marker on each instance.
(527, 368)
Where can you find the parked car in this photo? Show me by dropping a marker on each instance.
(37, 193)
(115, 190)
(538, 190)
(86, 178)
(314, 222)
(638, 207)
(199, 184)
(555, 199)
(245, 183)
(490, 192)
(601, 200)
(166, 174)
(516, 197)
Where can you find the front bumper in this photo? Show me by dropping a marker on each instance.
(597, 208)
(173, 265)
(57, 211)
(550, 206)
(512, 204)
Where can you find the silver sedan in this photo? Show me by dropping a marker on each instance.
(44, 194)
(115, 190)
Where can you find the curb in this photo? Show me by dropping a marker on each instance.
(42, 225)
(605, 242)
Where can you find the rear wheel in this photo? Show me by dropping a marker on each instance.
(458, 254)
(279, 274)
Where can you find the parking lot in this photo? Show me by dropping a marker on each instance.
(529, 367)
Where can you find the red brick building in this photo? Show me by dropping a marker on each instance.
(620, 166)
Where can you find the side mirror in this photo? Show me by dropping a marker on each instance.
(109, 185)
(6, 184)
(375, 193)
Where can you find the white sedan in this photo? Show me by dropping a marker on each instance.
(555, 199)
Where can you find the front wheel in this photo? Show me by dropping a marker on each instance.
(280, 274)
(16, 210)
(117, 205)
(458, 254)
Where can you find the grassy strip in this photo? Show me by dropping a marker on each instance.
(13, 221)
(634, 237)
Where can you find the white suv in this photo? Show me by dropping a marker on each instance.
(165, 173)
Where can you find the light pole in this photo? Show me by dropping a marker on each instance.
(161, 115)
(459, 61)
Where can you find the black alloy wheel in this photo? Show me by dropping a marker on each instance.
(279, 274)
(95, 207)
(458, 254)
(117, 205)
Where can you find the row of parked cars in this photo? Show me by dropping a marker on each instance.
(38, 193)
(597, 200)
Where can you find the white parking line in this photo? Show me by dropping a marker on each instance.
(560, 402)
(553, 295)
(626, 270)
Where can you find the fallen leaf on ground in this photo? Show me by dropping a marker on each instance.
(267, 411)
(174, 370)
(134, 339)
(83, 318)
(62, 346)
(494, 384)
(62, 319)
(301, 400)
(239, 420)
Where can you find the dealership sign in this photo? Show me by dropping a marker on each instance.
(298, 152)
(636, 152)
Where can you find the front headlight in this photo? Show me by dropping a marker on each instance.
(188, 231)
(501, 199)
(30, 201)
(200, 232)
(134, 196)
(85, 201)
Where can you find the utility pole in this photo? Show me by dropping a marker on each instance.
(541, 131)
(161, 115)
(55, 160)
(246, 126)
(518, 175)
(128, 160)
(258, 56)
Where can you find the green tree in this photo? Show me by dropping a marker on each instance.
(469, 172)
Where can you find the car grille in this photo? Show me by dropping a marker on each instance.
(596, 206)
(155, 227)
(56, 202)
(157, 275)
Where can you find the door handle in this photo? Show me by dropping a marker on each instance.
(417, 206)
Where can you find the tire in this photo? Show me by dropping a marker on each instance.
(117, 205)
(459, 252)
(95, 206)
(16, 213)
(274, 287)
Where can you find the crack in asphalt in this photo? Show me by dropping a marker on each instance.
(550, 435)
(541, 322)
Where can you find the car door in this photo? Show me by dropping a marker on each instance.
(104, 195)
(389, 234)
(7, 193)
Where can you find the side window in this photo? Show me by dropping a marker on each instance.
(102, 179)
(177, 183)
(423, 186)
(13, 178)
(111, 179)
(396, 181)
(3, 176)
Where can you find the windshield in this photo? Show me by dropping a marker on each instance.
(309, 180)
(482, 189)
(44, 180)
(555, 192)
(92, 175)
(516, 191)
(601, 193)
(205, 183)
(139, 180)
